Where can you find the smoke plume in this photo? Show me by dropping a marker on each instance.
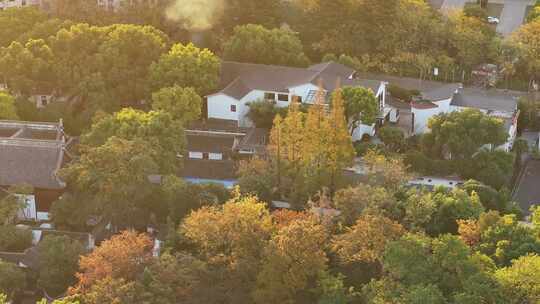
(196, 15)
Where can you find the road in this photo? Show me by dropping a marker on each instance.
(512, 16)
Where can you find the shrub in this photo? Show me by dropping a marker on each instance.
(401, 93)
(14, 239)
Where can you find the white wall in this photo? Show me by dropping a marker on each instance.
(219, 107)
(361, 130)
(421, 118)
(303, 90)
(17, 3)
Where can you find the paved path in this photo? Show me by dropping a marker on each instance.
(512, 16)
(453, 4)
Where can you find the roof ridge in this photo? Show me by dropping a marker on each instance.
(26, 142)
(267, 65)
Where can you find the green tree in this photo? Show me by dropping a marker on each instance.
(471, 39)
(71, 211)
(438, 211)
(7, 107)
(28, 67)
(174, 279)
(333, 290)
(241, 12)
(12, 203)
(505, 239)
(12, 279)
(186, 66)
(263, 113)
(124, 59)
(15, 239)
(526, 38)
(257, 44)
(184, 104)
(17, 21)
(392, 137)
(521, 281)
(534, 13)
(162, 133)
(116, 174)
(58, 263)
(361, 106)
(462, 133)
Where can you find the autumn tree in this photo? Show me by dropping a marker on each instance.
(291, 262)
(366, 241)
(363, 199)
(257, 44)
(112, 290)
(387, 172)
(184, 104)
(285, 148)
(186, 66)
(340, 150)
(122, 257)
(231, 237)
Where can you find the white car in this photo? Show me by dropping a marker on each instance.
(493, 20)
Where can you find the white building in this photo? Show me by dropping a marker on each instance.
(113, 5)
(244, 83)
(495, 103)
(4, 4)
(439, 97)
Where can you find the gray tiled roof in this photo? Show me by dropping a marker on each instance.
(27, 158)
(238, 79)
(210, 143)
(431, 90)
(496, 100)
(527, 192)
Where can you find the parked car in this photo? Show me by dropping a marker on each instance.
(493, 20)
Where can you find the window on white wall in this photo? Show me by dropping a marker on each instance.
(233, 108)
(215, 156)
(195, 155)
(283, 97)
(269, 96)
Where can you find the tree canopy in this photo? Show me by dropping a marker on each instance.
(256, 44)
